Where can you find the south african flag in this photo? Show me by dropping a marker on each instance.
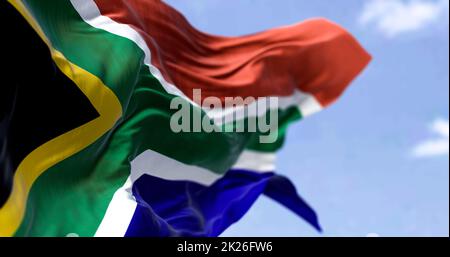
(86, 142)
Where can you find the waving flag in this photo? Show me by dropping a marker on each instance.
(85, 132)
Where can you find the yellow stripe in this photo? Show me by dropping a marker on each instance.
(64, 146)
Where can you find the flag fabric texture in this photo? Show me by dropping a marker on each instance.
(86, 146)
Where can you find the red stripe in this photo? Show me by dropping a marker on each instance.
(316, 56)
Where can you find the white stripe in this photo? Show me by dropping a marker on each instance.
(91, 14)
(256, 161)
(158, 165)
(119, 213)
(161, 166)
(308, 105)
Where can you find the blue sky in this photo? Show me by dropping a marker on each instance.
(376, 162)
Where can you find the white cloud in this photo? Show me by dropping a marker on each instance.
(393, 17)
(438, 146)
